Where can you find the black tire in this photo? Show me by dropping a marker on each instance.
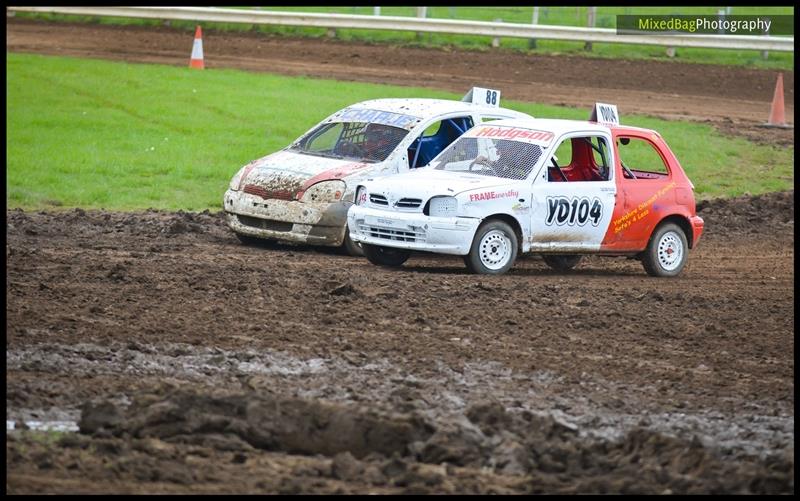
(249, 240)
(385, 256)
(494, 248)
(562, 262)
(658, 259)
(349, 247)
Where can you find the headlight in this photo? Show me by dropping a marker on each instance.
(361, 195)
(325, 191)
(237, 179)
(443, 207)
(241, 176)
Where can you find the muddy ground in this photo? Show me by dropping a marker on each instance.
(735, 100)
(181, 361)
(186, 362)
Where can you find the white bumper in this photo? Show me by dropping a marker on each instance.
(316, 223)
(415, 231)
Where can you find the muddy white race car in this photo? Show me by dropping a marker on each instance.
(561, 188)
(302, 193)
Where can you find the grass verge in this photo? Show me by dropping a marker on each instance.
(98, 134)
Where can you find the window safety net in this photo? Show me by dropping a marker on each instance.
(490, 157)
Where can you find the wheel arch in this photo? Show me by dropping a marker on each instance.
(682, 222)
(511, 221)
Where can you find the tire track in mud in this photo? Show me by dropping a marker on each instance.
(538, 392)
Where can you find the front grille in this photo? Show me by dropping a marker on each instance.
(265, 224)
(408, 203)
(393, 234)
(378, 199)
(266, 194)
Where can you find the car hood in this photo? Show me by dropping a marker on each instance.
(427, 182)
(292, 173)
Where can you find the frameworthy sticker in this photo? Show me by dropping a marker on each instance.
(492, 195)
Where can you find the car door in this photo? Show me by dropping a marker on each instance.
(573, 197)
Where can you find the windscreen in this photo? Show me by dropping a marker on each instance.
(356, 141)
(490, 157)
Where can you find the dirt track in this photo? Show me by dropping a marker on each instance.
(193, 363)
(734, 99)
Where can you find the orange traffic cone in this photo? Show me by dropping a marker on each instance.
(197, 50)
(777, 115)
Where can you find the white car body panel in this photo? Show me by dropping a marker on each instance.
(533, 203)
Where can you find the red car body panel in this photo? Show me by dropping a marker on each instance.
(643, 203)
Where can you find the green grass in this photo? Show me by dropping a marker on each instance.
(98, 134)
(564, 16)
(47, 438)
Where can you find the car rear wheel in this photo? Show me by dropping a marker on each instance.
(494, 249)
(385, 256)
(562, 262)
(667, 251)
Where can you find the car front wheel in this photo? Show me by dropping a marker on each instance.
(385, 256)
(349, 247)
(667, 251)
(494, 249)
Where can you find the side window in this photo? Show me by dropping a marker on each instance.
(583, 158)
(361, 141)
(563, 156)
(640, 159)
(324, 139)
(435, 138)
(432, 129)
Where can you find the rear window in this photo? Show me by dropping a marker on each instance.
(640, 159)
